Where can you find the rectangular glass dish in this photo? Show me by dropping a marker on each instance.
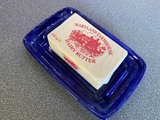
(103, 102)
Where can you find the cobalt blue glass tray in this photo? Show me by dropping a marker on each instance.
(110, 97)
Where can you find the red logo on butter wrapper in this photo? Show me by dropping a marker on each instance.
(70, 62)
(87, 44)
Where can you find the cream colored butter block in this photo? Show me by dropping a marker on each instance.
(87, 50)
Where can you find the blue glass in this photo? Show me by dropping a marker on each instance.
(110, 97)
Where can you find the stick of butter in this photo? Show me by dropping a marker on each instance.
(87, 50)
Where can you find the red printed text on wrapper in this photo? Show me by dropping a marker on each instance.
(88, 43)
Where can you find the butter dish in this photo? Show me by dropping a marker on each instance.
(107, 99)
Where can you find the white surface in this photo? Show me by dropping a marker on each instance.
(27, 91)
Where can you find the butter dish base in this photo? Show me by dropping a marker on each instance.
(110, 97)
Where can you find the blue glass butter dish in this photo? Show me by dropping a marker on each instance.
(103, 102)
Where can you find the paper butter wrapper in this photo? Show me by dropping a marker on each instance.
(87, 50)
